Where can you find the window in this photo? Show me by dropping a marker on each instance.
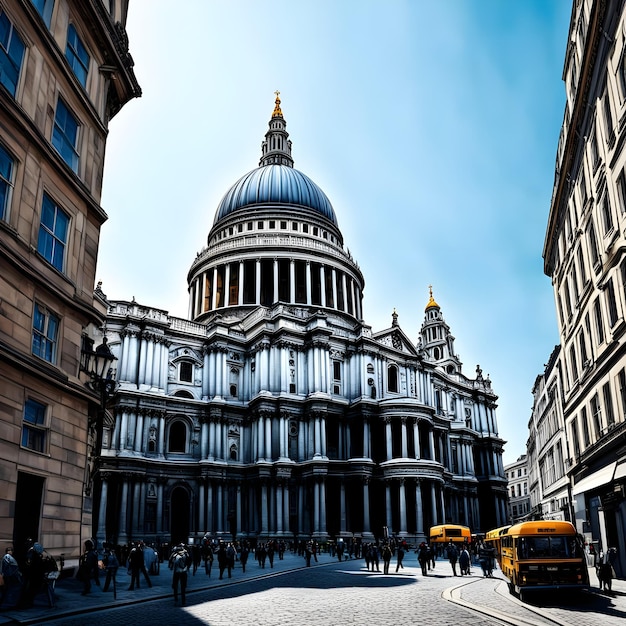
(573, 363)
(185, 372)
(621, 191)
(581, 266)
(53, 232)
(621, 377)
(575, 437)
(622, 75)
(582, 344)
(65, 135)
(45, 333)
(11, 54)
(607, 217)
(177, 441)
(336, 377)
(596, 415)
(44, 8)
(608, 117)
(6, 182)
(34, 426)
(585, 424)
(610, 300)
(608, 404)
(392, 379)
(597, 314)
(77, 55)
(583, 188)
(593, 245)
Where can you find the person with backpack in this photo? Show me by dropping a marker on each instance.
(179, 564)
(111, 565)
(422, 557)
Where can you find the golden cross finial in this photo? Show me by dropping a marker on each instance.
(430, 288)
(277, 94)
(277, 112)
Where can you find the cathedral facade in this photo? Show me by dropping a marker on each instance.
(274, 410)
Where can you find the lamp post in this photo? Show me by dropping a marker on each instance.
(98, 364)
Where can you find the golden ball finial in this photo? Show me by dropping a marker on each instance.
(431, 301)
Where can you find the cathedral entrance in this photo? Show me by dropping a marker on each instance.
(179, 515)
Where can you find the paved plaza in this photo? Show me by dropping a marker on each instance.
(327, 593)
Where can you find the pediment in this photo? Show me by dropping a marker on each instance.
(395, 339)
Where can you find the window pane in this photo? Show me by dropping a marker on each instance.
(11, 54)
(44, 8)
(77, 55)
(6, 177)
(53, 232)
(65, 134)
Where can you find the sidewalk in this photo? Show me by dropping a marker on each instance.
(69, 600)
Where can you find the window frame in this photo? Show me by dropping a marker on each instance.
(8, 54)
(35, 430)
(7, 182)
(45, 9)
(49, 240)
(46, 334)
(62, 140)
(75, 51)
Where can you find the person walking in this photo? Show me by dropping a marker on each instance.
(12, 577)
(222, 558)
(422, 558)
(453, 556)
(400, 558)
(88, 567)
(464, 561)
(179, 564)
(111, 565)
(207, 555)
(243, 557)
(386, 558)
(135, 563)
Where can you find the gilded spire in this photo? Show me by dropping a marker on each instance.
(277, 112)
(276, 148)
(431, 302)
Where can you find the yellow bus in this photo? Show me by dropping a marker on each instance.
(445, 533)
(493, 539)
(543, 555)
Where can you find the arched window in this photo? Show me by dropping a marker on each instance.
(178, 437)
(233, 452)
(392, 378)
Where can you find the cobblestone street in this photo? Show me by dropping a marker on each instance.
(329, 593)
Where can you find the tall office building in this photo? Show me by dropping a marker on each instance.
(65, 71)
(274, 410)
(585, 256)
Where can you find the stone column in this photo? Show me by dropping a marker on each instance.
(201, 505)
(257, 297)
(238, 512)
(102, 511)
(209, 498)
(220, 508)
(123, 514)
(159, 519)
(335, 303)
(264, 509)
(402, 498)
(323, 505)
(268, 438)
(342, 507)
(138, 447)
(405, 445)
(433, 502)
(308, 282)
(323, 436)
(431, 442)
(388, 439)
(419, 512)
(388, 513)
(279, 507)
(323, 285)
(214, 292)
(316, 507)
(241, 284)
(416, 438)
(366, 506)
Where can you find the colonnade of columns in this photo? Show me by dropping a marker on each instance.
(144, 358)
(263, 282)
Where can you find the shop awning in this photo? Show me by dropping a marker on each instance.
(595, 480)
(620, 471)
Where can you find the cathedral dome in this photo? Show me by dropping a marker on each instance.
(275, 184)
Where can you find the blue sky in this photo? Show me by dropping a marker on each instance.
(431, 126)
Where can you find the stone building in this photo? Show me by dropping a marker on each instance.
(517, 481)
(585, 256)
(65, 72)
(548, 483)
(274, 410)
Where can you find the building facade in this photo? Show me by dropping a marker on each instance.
(585, 256)
(517, 482)
(548, 483)
(65, 72)
(274, 410)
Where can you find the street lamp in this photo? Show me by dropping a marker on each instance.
(98, 364)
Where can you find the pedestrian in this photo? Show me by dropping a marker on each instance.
(231, 555)
(486, 558)
(222, 558)
(87, 567)
(196, 557)
(261, 554)
(400, 558)
(135, 563)
(142, 566)
(179, 564)
(453, 556)
(386, 558)
(464, 561)
(270, 553)
(207, 555)
(12, 579)
(32, 574)
(422, 558)
(243, 557)
(111, 565)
